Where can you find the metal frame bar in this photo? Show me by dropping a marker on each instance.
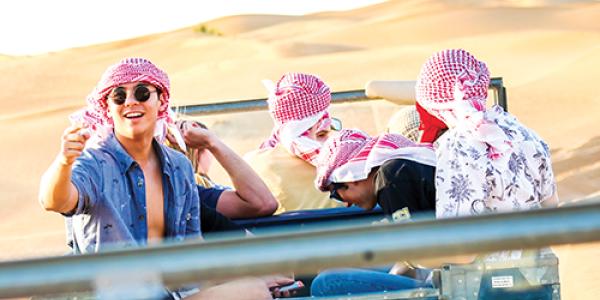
(304, 252)
(234, 106)
(497, 85)
(258, 104)
(363, 245)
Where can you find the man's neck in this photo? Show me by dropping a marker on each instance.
(140, 149)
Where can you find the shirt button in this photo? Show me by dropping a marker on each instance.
(140, 182)
(188, 216)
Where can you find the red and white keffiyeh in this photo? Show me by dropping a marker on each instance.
(487, 161)
(95, 115)
(452, 87)
(297, 103)
(351, 155)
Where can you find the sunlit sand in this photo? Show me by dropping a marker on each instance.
(548, 55)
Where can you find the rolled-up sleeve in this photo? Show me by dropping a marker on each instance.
(86, 179)
(210, 196)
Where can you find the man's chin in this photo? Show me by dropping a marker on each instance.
(133, 134)
(366, 206)
(134, 127)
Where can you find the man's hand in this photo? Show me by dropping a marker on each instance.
(73, 142)
(250, 288)
(275, 281)
(251, 197)
(196, 136)
(57, 192)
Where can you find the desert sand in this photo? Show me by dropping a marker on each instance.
(548, 53)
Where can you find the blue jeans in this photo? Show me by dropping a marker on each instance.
(356, 281)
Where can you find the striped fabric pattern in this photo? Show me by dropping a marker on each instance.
(452, 86)
(450, 75)
(298, 96)
(297, 103)
(405, 122)
(133, 69)
(351, 155)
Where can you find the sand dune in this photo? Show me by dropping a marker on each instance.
(297, 49)
(388, 9)
(304, 28)
(432, 25)
(233, 25)
(548, 53)
(531, 3)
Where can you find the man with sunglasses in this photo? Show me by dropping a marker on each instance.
(124, 187)
(390, 171)
(298, 104)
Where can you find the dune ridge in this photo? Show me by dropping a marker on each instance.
(546, 51)
(233, 25)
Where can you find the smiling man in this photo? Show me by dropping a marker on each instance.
(125, 187)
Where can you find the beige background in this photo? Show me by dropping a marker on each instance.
(547, 53)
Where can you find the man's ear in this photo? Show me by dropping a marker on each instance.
(108, 111)
(163, 103)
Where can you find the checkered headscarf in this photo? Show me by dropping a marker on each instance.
(298, 96)
(452, 88)
(134, 69)
(406, 123)
(351, 155)
(448, 77)
(296, 103)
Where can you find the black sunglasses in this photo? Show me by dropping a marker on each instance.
(333, 194)
(141, 93)
(336, 124)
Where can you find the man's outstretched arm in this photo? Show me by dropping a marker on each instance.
(57, 192)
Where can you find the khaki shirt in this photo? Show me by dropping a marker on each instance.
(290, 179)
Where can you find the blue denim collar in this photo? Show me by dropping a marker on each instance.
(125, 161)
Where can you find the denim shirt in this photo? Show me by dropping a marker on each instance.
(111, 209)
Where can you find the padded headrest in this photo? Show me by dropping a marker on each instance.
(401, 92)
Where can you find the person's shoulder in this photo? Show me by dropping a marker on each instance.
(521, 134)
(397, 163)
(172, 153)
(103, 148)
(96, 145)
(392, 164)
(390, 170)
(177, 158)
(94, 152)
(400, 168)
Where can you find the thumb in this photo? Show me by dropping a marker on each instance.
(85, 133)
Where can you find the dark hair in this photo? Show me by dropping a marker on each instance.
(201, 124)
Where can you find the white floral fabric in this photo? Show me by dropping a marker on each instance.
(468, 182)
